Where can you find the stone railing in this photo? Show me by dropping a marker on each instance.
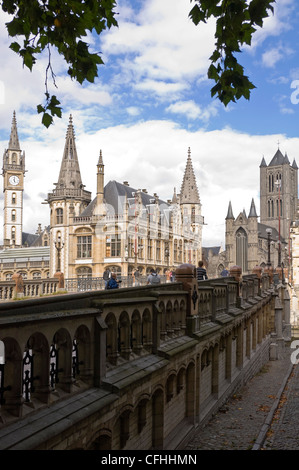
(9, 290)
(132, 367)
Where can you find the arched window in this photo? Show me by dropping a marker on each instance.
(13, 215)
(242, 249)
(13, 198)
(84, 272)
(13, 234)
(59, 216)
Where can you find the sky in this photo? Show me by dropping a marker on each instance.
(150, 103)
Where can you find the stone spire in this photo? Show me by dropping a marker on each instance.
(70, 176)
(189, 192)
(230, 214)
(252, 212)
(14, 139)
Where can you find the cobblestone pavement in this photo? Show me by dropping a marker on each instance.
(260, 416)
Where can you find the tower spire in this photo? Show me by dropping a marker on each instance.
(70, 176)
(14, 138)
(189, 191)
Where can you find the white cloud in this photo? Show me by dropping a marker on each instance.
(153, 155)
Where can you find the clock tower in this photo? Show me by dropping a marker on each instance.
(13, 172)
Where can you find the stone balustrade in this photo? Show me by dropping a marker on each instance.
(133, 368)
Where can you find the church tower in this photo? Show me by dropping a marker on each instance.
(191, 213)
(278, 193)
(13, 172)
(66, 201)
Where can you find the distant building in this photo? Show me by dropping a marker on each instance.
(121, 228)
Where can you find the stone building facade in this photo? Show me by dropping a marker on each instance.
(255, 240)
(133, 369)
(122, 228)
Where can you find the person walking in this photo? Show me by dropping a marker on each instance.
(137, 277)
(201, 272)
(153, 278)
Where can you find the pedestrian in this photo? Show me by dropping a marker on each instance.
(153, 278)
(137, 277)
(201, 272)
(113, 283)
(224, 273)
(106, 276)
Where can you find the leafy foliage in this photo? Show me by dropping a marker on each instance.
(236, 22)
(38, 25)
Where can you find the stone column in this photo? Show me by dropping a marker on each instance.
(186, 274)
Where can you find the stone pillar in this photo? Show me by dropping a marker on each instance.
(60, 277)
(257, 270)
(19, 287)
(186, 274)
(236, 273)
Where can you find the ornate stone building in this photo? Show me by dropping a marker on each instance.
(121, 228)
(248, 242)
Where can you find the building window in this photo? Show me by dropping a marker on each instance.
(158, 250)
(84, 272)
(13, 215)
(36, 275)
(150, 248)
(13, 234)
(13, 198)
(242, 249)
(59, 216)
(84, 246)
(113, 245)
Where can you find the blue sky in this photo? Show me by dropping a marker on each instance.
(151, 102)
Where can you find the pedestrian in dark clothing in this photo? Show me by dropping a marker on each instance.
(113, 283)
(201, 272)
(224, 273)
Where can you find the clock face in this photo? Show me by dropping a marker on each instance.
(14, 180)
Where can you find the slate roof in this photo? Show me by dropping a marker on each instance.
(115, 195)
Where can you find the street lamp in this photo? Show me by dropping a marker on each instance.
(269, 232)
(58, 246)
(166, 253)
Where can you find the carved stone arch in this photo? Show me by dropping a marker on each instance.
(181, 379)
(124, 335)
(101, 441)
(170, 388)
(13, 380)
(37, 351)
(136, 332)
(81, 355)
(83, 230)
(146, 330)
(141, 411)
(111, 338)
(169, 318)
(162, 317)
(63, 345)
(122, 426)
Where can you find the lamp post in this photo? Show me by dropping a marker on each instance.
(58, 246)
(269, 232)
(166, 253)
